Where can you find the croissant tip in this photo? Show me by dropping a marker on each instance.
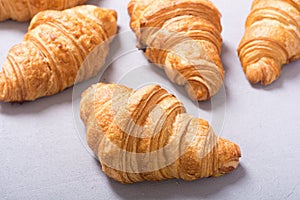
(2, 87)
(200, 93)
(229, 167)
(114, 14)
(256, 77)
(231, 161)
(265, 71)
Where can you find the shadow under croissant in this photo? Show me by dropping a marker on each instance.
(15, 26)
(227, 52)
(168, 189)
(38, 105)
(94, 2)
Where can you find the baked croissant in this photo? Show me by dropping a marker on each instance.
(146, 135)
(61, 47)
(271, 39)
(23, 10)
(184, 38)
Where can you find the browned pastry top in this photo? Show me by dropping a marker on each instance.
(61, 48)
(184, 38)
(23, 10)
(271, 39)
(147, 135)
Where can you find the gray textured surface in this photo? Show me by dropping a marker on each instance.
(43, 154)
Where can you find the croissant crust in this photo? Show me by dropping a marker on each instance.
(184, 38)
(146, 135)
(271, 39)
(23, 10)
(60, 48)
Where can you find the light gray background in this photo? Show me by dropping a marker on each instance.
(43, 154)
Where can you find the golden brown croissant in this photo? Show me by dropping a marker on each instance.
(271, 39)
(60, 48)
(147, 135)
(23, 10)
(184, 38)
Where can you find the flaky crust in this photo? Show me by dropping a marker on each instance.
(146, 135)
(184, 38)
(23, 10)
(60, 48)
(271, 39)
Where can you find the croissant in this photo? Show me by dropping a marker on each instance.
(184, 38)
(61, 47)
(23, 10)
(271, 39)
(146, 135)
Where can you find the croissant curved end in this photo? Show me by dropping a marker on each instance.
(197, 93)
(228, 158)
(266, 71)
(2, 87)
(229, 167)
